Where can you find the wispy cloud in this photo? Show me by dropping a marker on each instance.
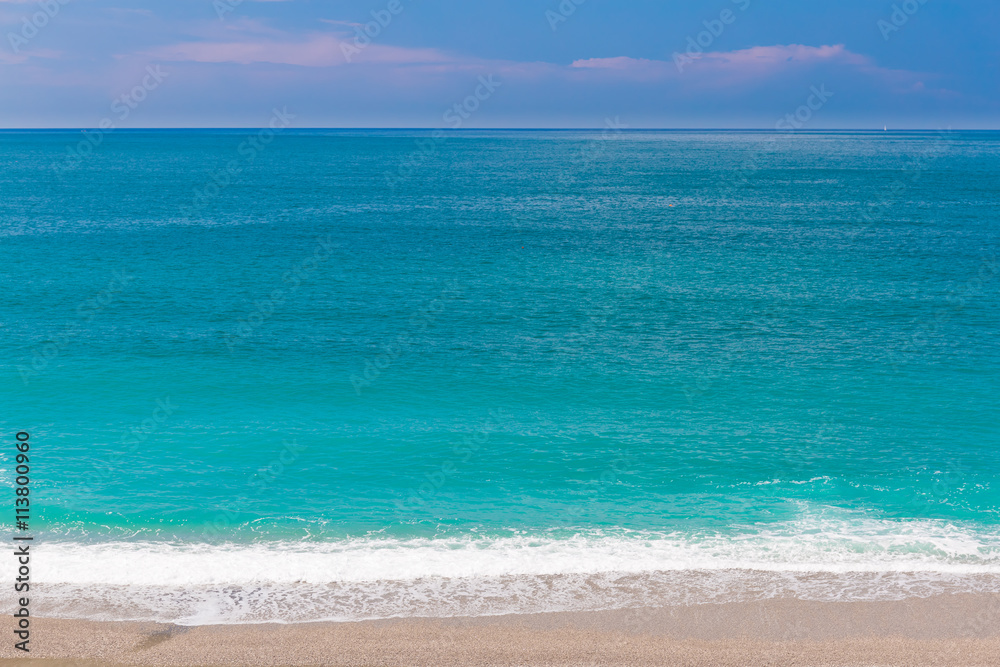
(748, 67)
(763, 60)
(251, 42)
(314, 50)
(8, 58)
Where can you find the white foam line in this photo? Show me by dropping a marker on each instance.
(928, 547)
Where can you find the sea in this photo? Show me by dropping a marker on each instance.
(300, 375)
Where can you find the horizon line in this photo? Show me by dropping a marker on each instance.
(113, 130)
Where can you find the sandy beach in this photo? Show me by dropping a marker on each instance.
(959, 630)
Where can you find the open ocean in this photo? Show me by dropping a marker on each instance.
(366, 374)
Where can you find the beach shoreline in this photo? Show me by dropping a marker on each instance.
(954, 629)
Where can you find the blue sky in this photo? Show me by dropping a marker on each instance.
(574, 63)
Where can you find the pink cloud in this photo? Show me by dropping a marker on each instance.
(720, 69)
(759, 60)
(248, 43)
(790, 53)
(318, 50)
(11, 58)
(619, 62)
(25, 56)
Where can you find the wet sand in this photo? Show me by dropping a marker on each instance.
(959, 630)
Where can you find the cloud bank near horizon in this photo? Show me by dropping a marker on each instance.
(394, 64)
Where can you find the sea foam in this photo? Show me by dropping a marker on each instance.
(366, 578)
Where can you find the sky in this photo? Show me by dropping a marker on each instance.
(460, 64)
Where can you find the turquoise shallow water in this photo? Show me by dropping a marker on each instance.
(731, 349)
